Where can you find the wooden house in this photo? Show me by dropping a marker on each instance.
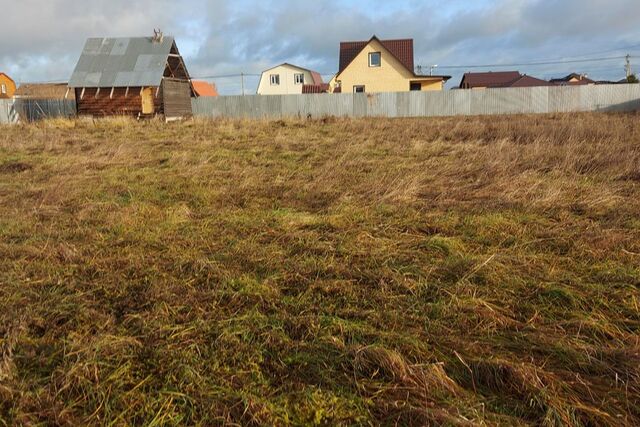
(140, 76)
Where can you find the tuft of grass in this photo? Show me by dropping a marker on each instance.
(331, 272)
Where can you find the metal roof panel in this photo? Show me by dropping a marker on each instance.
(121, 62)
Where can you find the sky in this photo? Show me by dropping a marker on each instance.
(42, 39)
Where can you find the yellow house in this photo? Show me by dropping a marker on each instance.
(7, 86)
(381, 66)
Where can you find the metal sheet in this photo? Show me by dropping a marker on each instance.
(103, 60)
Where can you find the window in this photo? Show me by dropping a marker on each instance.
(299, 79)
(4, 89)
(415, 86)
(375, 59)
(275, 79)
(358, 89)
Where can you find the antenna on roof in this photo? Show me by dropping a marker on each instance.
(157, 36)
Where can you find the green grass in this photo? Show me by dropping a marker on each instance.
(426, 271)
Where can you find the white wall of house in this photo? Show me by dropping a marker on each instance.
(287, 80)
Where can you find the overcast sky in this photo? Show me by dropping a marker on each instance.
(42, 39)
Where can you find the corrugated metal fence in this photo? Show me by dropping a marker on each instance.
(623, 97)
(29, 110)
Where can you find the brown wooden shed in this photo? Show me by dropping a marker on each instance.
(139, 76)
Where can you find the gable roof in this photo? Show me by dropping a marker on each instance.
(123, 62)
(490, 79)
(315, 76)
(202, 88)
(528, 81)
(401, 49)
(581, 80)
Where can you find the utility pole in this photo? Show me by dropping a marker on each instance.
(627, 66)
(242, 77)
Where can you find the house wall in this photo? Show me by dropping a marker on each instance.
(432, 85)
(391, 76)
(287, 81)
(10, 87)
(119, 104)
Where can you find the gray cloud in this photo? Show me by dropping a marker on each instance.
(222, 37)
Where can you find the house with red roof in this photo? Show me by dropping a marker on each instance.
(287, 79)
(500, 79)
(376, 65)
(202, 88)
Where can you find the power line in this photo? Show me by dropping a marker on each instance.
(530, 64)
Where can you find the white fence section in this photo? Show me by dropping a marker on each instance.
(561, 99)
(7, 112)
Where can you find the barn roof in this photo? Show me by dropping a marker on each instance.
(122, 62)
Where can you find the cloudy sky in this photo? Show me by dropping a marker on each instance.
(42, 39)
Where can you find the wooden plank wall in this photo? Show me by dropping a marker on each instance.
(106, 105)
(177, 98)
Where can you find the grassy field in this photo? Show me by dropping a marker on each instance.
(456, 271)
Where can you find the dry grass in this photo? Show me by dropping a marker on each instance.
(454, 271)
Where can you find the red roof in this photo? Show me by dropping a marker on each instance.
(402, 49)
(316, 88)
(490, 79)
(528, 81)
(204, 88)
(317, 78)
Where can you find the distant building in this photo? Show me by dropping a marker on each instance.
(7, 86)
(321, 88)
(204, 89)
(44, 91)
(499, 79)
(141, 76)
(287, 79)
(573, 79)
(381, 66)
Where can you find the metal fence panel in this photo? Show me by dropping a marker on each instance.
(427, 104)
(30, 110)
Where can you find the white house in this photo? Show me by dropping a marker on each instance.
(287, 79)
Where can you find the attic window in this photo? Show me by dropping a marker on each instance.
(275, 79)
(299, 79)
(375, 59)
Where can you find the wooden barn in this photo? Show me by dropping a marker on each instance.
(139, 76)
